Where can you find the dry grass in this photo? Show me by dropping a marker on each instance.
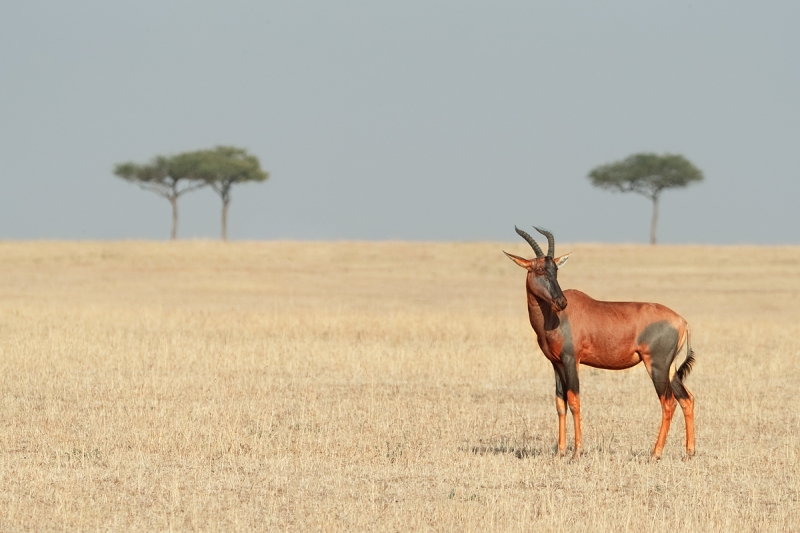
(382, 387)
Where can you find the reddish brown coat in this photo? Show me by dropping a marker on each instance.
(573, 329)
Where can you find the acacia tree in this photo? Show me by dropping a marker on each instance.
(646, 174)
(167, 176)
(222, 168)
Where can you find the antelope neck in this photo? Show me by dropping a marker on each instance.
(543, 317)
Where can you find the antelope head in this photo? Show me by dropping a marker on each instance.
(543, 270)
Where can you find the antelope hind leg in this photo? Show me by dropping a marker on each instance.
(668, 405)
(686, 401)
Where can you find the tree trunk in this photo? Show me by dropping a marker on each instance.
(225, 202)
(173, 200)
(654, 220)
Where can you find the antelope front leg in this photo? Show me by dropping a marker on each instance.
(574, 401)
(561, 409)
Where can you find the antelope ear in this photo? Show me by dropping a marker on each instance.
(561, 260)
(524, 263)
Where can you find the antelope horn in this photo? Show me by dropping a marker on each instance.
(551, 243)
(530, 241)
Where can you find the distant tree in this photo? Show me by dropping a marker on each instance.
(167, 176)
(648, 175)
(222, 168)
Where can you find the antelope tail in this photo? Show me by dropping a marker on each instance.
(686, 367)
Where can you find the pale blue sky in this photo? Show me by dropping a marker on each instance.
(405, 120)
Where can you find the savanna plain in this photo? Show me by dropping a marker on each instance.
(380, 387)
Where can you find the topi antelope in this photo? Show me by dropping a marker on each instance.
(610, 335)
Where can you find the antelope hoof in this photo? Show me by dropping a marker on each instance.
(576, 454)
(689, 455)
(561, 453)
(655, 458)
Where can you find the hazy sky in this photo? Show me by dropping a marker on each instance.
(402, 120)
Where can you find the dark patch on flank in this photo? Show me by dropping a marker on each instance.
(661, 339)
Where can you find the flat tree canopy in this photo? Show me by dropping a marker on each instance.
(222, 168)
(646, 174)
(167, 176)
(171, 176)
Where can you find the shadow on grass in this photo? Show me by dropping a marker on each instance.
(520, 450)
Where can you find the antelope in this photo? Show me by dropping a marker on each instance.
(608, 335)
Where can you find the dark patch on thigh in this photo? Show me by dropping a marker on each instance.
(661, 339)
(678, 389)
(568, 356)
(561, 392)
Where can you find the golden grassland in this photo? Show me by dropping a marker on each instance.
(380, 387)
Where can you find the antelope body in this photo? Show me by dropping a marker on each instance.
(573, 329)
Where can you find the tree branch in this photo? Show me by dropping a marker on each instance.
(161, 189)
(189, 188)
